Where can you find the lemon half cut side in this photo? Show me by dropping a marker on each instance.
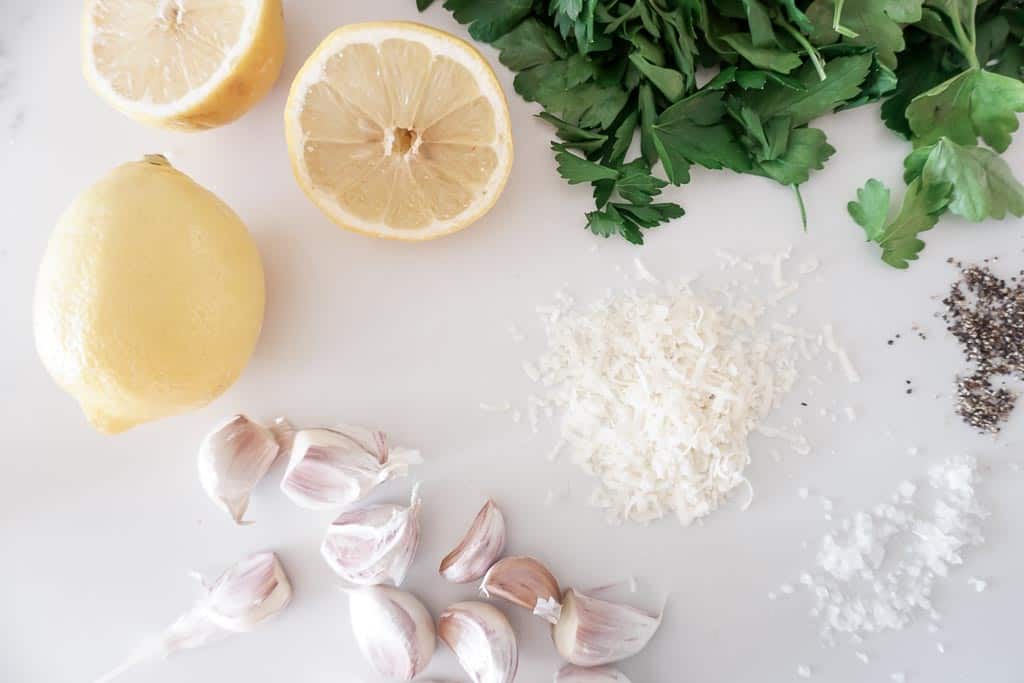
(398, 130)
(182, 64)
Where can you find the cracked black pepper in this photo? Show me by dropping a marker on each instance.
(985, 314)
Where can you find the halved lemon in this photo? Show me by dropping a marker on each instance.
(399, 130)
(185, 64)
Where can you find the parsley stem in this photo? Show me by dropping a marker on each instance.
(837, 26)
(815, 58)
(800, 203)
(967, 45)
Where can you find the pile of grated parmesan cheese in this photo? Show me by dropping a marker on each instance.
(660, 391)
(877, 572)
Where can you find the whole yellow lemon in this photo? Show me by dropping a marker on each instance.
(150, 296)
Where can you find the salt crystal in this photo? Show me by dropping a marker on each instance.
(803, 671)
(979, 585)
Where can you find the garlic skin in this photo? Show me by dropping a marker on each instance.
(393, 630)
(332, 468)
(570, 673)
(284, 432)
(592, 632)
(526, 582)
(479, 548)
(250, 592)
(374, 545)
(233, 458)
(483, 641)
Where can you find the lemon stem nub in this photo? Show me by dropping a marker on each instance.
(156, 159)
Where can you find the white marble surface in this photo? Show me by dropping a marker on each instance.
(97, 533)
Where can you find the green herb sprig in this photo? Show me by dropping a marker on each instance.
(607, 72)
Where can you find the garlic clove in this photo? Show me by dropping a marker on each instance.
(331, 468)
(374, 545)
(250, 592)
(478, 549)
(393, 630)
(526, 582)
(592, 632)
(570, 673)
(483, 641)
(233, 458)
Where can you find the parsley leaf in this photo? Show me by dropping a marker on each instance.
(529, 44)
(575, 137)
(577, 170)
(898, 238)
(921, 67)
(844, 77)
(694, 131)
(807, 150)
(872, 23)
(489, 19)
(636, 184)
(973, 104)
(774, 58)
(980, 182)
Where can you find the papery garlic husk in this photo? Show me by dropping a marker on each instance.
(479, 548)
(233, 458)
(284, 432)
(570, 673)
(483, 641)
(393, 630)
(251, 591)
(331, 468)
(526, 582)
(592, 632)
(374, 545)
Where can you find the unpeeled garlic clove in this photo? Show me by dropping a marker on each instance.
(331, 468)
(233, 458)
(526, 582)
(374, 545)
(483, 641)
(570, 673)
(478, 549)
(393, 630)
(593, 632)
(248, 593)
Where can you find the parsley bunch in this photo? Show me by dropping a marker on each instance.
(958, 81)
(607, 72)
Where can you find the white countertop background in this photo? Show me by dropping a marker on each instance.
(97, 533)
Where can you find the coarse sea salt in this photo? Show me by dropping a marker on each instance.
(659, 392)
(878, 570)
